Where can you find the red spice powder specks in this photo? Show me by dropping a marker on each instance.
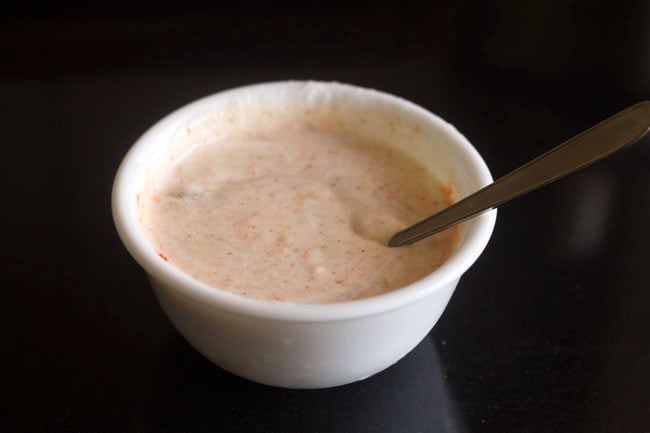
(164, 257)
(448, 191)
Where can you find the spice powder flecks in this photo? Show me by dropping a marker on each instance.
(301, 216)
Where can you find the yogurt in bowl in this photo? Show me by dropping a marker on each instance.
(261, 214)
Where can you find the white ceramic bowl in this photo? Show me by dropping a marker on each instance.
(304, 345)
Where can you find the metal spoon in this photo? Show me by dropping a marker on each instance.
(598, 142)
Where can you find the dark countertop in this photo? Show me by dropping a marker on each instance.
(548, 331)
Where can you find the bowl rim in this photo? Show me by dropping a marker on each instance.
(478, 230)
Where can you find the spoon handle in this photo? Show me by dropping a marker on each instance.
(596, 143)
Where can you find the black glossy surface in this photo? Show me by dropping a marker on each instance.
(549, 331)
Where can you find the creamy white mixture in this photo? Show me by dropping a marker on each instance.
(297, 215)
